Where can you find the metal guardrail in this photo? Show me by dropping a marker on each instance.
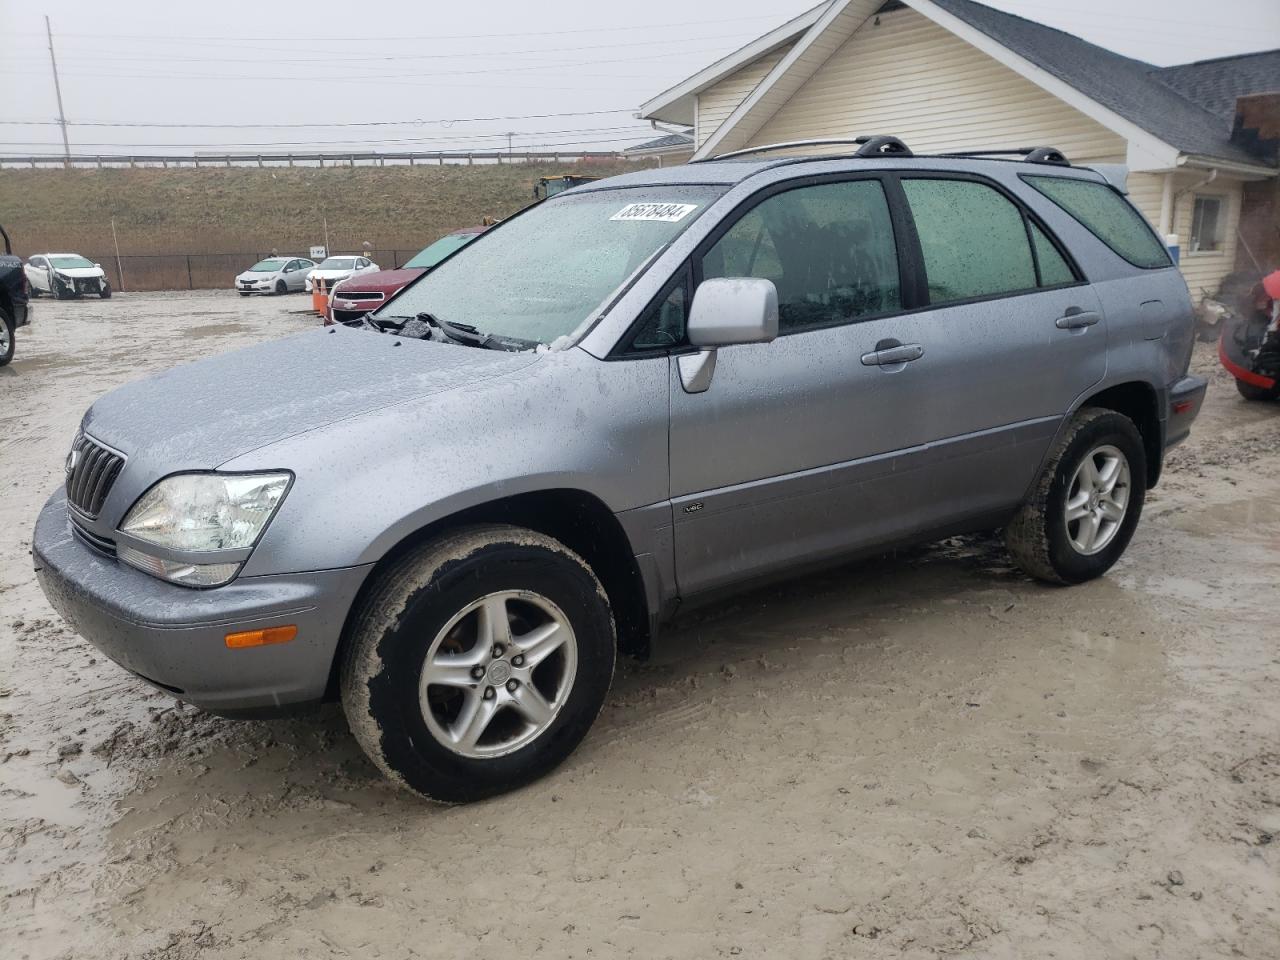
(332, 158)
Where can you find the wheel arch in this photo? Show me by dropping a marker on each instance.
(579, 520)
(1139, 401)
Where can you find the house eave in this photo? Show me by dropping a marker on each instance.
(1243, 171)
(676, 104)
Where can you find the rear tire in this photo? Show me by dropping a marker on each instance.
(6, 337)
(478, 662)
(1085, 504)
(1252, 392)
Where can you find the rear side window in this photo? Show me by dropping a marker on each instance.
(1054, 269)
(973, 239)
(828, 248)
(1108, 216)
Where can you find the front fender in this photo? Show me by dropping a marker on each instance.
(364, 484)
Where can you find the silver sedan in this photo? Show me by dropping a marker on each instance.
(275, 275)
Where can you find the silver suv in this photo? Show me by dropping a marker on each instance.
(626, 400)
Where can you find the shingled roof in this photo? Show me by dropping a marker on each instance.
(1190, 107)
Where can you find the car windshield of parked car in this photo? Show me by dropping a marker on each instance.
(538, 276)
(71, 263)
(338, 263)
(428, 258)
(266, 266)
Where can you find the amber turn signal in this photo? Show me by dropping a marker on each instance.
(260, 638)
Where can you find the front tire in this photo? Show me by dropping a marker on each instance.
(281, 288)
(104, 290)
(478, 662)
(1086, 503)
(1252, 392)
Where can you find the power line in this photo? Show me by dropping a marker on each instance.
(241, 41)
(282, 126)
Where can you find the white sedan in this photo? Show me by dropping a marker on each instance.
(63, 275)
(275, 275)
(339, 268)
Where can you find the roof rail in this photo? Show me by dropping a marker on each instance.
(879, 146)
(1050, 155)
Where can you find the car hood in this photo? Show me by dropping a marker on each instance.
(329, 274)
(384, 281)
(79, 272)
(203, 414)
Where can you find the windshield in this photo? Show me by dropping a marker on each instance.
(538, 276)
(71, 263)
(338, 263)
(266, 266)
(440, 249)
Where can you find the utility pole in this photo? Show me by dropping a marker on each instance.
(57, 89)
(509, 136)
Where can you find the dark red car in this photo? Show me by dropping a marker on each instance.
(355, 297)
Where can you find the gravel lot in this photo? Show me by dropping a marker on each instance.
(918, 756)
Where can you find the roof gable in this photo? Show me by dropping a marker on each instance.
(1160, 112)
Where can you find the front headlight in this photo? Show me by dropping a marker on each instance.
(198, 528)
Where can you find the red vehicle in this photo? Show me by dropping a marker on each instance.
(355, 297)
(1250, 344)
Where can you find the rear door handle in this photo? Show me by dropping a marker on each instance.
(1076, 319)
(887, 355)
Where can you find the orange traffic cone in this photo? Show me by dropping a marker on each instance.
(320, 299)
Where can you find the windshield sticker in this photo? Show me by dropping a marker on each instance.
(666, 212)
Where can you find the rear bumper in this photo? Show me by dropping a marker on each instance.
(175, 638)
(1185, 399)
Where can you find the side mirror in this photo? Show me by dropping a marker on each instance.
(726, 311)
(98, 265)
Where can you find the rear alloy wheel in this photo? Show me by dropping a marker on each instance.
(1087, 502)
(6, 337)
(478, 662)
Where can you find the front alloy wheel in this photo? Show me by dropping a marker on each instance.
(478, 661)
(498, 673)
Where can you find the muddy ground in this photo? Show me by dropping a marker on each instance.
(924, 755)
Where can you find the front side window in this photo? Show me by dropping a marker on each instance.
(1206, 225)
(973, 239)
(538, 276)
(829, 249)
(1108, 216)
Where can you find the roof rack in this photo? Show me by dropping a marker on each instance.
(878, 146)
(1049, 155)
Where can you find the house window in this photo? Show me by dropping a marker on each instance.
(1206, 225)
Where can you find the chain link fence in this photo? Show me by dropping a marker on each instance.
(203, 271)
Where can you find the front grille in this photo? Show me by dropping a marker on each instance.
(345, 294)
(91, 470)
(103, 545)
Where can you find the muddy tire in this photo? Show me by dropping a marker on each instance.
(1251, 392)
(477, 662)
(6, 337)
(1086, 502)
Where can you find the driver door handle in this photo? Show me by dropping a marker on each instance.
(890, 354)
(1076, 319)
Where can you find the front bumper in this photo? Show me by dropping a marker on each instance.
(1185, 398)
(256, 286)
(174, 637)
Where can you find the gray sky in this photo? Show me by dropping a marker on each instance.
(325, 61)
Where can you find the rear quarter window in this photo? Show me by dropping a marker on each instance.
(1108, 216)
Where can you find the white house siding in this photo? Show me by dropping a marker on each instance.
(1203, 271)
(717, 102)
(911, 78)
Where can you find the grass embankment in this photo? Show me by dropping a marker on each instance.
(167, 214)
